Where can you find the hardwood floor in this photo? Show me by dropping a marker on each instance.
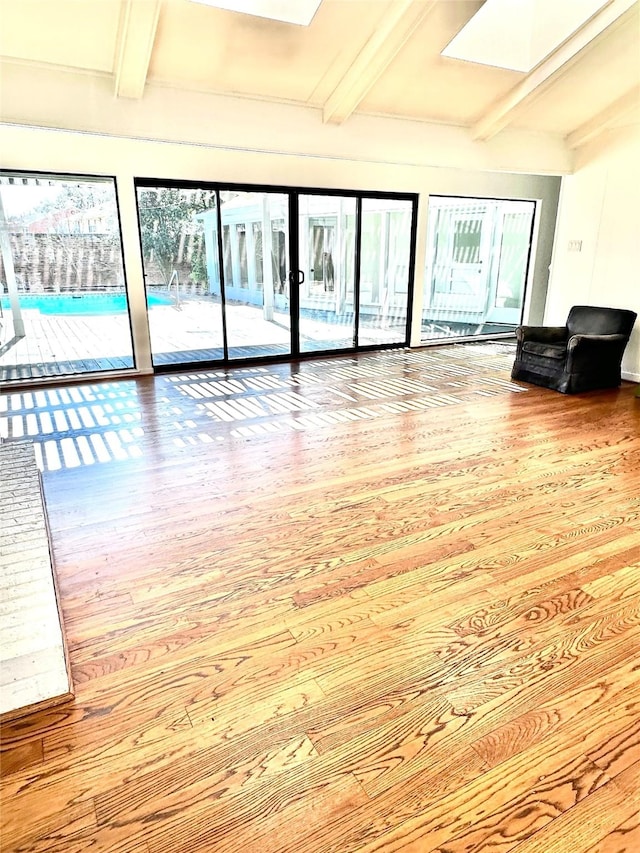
(377, 603)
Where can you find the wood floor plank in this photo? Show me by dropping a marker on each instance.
(21, 756)
(593, 818)
(367, 623)
(211, 770)
(621, 749)
(53, 832)
(616, 696)
(567, 657)
(445, 821)
(518, 819)
(625, 838)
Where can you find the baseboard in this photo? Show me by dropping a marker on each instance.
(630, 377)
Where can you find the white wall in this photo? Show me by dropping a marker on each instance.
(600, 206)
(359, 167)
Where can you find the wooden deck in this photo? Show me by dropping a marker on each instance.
(58, 345)
(359, 605)
(67, 345)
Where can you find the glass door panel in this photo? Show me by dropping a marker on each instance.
(477, 261)
(384, 271)
(255, 249)
(64, 308)
(326, 252)
(513, 240)
(178, 229)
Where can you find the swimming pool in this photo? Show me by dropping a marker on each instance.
(85, 304)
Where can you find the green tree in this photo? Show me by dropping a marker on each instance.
(199, 265)
(167, 219)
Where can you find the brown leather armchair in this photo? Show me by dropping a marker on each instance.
(583, 355)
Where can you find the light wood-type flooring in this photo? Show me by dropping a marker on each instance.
(360, 605)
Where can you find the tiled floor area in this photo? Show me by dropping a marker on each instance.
(33, 669)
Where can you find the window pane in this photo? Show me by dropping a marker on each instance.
(384, 271)
(512, 263)
(63, 300)
(256, 286)
(477, 260)
(327, 249)
(179, 233)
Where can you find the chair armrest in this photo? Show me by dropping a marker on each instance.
(594, 340)
(584, 351)
(543, 334)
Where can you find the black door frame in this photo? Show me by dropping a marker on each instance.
(293, 274)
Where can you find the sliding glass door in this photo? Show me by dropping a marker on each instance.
(355, 262)
(384, 271)
(255, 247)
(178, 232)
(326, 262)
(246, 272)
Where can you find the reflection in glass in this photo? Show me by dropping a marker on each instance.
(256, 282)
(63, 300)
(384, 271)
(178, 229)
(477, 260)
(326, 258)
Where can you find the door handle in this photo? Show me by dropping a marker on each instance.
(296, 277)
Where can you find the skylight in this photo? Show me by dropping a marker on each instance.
(519, 34)
(298, 12)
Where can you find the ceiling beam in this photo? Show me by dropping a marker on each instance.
(398, 24)
(138, 25)
(549, 70)
(615, 112)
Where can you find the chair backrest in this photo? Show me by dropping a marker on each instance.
(592, 320)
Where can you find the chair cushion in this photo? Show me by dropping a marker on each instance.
(558, 351)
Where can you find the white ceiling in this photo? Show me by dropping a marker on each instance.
(356, 56)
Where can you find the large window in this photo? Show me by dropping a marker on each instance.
(63, 300)
(477, 265)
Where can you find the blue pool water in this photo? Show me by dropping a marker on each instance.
(85, 303)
